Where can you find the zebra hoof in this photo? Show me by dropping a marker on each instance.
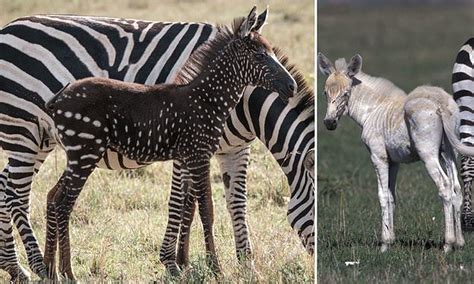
(215, 267)
(51, 272)
(448, 248)
(173, 269)
(42, 272)
(68, 277)
(20, 275)
(43, 275)
(384, 248)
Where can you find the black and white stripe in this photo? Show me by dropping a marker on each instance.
(463, 91)
(41, 54)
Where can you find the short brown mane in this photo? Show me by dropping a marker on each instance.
(208, 51)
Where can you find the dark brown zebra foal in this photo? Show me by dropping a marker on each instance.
(181, 121)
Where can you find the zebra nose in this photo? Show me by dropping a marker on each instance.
(331, 124)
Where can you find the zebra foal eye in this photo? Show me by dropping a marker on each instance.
(260, 55)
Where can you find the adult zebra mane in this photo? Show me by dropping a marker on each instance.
(305, 96)
(208, 51)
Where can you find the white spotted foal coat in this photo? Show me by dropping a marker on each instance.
(181, 121)
(399, 128)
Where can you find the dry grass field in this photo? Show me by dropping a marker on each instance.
(118, 222)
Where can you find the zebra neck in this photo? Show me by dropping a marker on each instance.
(286, 129)
(362, 103)
(216, 93)
(374, 97)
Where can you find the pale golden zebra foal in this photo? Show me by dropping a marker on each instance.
(181, 121)
(400, 128)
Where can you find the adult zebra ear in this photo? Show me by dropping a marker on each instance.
(308, 161)
(325, 65)
(354, 65)
(261, 21)
(248, 24)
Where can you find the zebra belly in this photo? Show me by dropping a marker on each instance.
(403, 154)
(113, 160)
(399, 147)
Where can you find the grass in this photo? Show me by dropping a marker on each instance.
(410, 46)
(118, 222)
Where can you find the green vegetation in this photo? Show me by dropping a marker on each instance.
(410, 46)
(118, 223)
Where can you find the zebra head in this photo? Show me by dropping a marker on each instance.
(257, 53)
(341, 79)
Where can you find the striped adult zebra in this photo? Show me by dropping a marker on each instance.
(287, 130)
(463, 91)
(41, 54)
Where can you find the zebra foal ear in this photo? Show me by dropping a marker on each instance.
(261, 21)
(325, 65)
(354, 65)
(248, 24)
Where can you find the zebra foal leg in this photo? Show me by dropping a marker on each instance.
(200, 189)
(61, 200)
(76, 176)
(175, 205)
(206, 212)
(449, 160)
(51, 241)
(386, 199)
(187, 216)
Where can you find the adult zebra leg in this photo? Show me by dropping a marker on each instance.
(467, 175)
(19, 190)
(8, 255)
(233, 168)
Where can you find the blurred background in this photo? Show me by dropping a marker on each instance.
(119, 221)
(410, 43)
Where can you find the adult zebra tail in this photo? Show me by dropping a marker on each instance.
(50, 104)
(448, 118)
(463, 89)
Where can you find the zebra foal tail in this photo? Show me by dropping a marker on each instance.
(449, 125)
(50, 104)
